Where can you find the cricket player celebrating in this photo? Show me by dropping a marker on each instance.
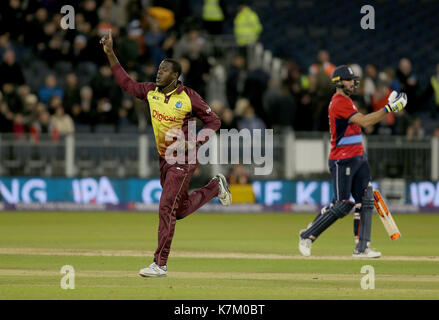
(172, 106)
(348, 163)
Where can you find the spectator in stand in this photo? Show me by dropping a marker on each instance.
(415, 131)
(246, 27)
(11, 97)
(50, 89)
(34, 31)
(43, 127)
(228, 120)
(79, 50)
(192, 44)
(280, 106)
(301, 87)
(436, 132)
(104, 86)
(106, 112)
(238, 175)
(185, 67)
(255, 85)
(89, 11)
(129, 48)
(432, 90)
(250, 120)
(297, 81)
(305, 112)
(194, 47)
(6, 117)
(10, 70)
(132, 10)
(83, 113)
(128, 112)
(402, 123)
(391, 78)
(379, 101)
(217, 106)
(370, 82)
(18, 127)
(49, 30)
(62, 122)
(23, 91)
(30, 108)
(111, 12)
(71, 92)
(165, 17)
(12, 19)
(54, 103)
(5, 43)
(83, 26)
(323, 93)
(214, 14)
(409, 84)
(189, 77)
(236, 76)
(154, 38)
(54, 51)
(323, 63)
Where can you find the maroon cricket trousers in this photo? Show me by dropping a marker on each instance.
(176, 203)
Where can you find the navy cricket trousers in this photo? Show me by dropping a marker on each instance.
(350, 176)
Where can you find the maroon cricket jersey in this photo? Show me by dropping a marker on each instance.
(171, 111)
(346, 138)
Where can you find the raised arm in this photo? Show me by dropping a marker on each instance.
(396, 103)
(134, 88)
(107, 45)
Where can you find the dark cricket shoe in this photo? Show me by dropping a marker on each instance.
(224, 194)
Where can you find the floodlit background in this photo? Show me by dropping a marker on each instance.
(77, 153)
(69, 134)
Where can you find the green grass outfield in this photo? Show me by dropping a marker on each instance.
(214, 256)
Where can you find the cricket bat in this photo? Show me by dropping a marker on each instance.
(385, 216)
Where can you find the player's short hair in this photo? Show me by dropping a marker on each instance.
(176, 66)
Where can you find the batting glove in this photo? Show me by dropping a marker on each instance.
(396, 102)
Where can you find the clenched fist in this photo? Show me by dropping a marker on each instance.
(397, 102)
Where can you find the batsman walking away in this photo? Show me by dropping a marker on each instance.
(348, 164)
(172, 106)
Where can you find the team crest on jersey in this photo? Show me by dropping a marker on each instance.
(178, 105)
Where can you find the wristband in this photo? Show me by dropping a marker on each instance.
(387, 109)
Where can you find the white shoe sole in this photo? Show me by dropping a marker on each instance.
(150, 275)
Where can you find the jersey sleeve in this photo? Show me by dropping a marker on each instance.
(345, 109)
(134, 88)
(201, 110)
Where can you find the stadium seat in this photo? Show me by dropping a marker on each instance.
(105, 128)
(280, 18)
(127, 129)
(82, 128)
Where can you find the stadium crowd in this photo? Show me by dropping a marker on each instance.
(58, 81)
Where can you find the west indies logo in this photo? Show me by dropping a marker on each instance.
(178, 105)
